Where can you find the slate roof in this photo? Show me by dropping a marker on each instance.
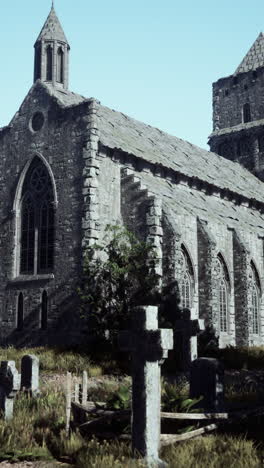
(254, 58)
(120, 132)
(184, 201)
(52, 29)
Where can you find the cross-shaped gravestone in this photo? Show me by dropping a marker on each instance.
(30, 374)
(186, 330)
(148, 346)
(9, 385)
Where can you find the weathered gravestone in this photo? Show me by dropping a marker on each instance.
(9, 385)
(186, 330)
(30, 374)
(148, 346)
(207, 381)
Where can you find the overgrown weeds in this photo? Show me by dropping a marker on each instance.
(54, 360)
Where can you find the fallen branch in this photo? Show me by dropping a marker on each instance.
(168, 439)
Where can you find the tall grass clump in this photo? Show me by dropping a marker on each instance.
(212, 452)
(53, 360)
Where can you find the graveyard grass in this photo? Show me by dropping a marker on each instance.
(37, 431)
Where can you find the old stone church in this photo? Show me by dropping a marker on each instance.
(69, 166)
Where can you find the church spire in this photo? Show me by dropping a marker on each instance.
(51, 53)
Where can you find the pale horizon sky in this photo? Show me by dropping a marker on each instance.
(152, 60)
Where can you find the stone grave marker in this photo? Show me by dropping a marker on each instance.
(186, 330)
(30, 374)
(207, 380)
(148, 346)
(9, 385)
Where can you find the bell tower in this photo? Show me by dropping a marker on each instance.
(52, 54)
(238, 112)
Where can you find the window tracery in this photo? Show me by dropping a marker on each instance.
(37, 221)
(255, 293)
(186, 279)
(223, 287)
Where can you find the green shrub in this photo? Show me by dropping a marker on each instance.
(240, 357)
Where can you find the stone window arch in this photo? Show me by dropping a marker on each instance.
(36, 221)
(60, 65)
(246, 113)
(49, 63)
(186, 283)
(44, 311)
(20, 312)
(255, 298)
(223, 293)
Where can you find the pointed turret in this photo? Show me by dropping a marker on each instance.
(52, 53)
(254, 58)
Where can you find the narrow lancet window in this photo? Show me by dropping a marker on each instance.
(44, 311)
(223, 285)
(255, 294)
(246, 113)
(20, 312)
(60, 65)
(49, 63)
(186, 280)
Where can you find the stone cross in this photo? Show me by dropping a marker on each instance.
(30, 374)
(9, 386)
(148, 346)
(186, 330)
(207, 380)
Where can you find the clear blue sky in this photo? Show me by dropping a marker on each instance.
(153, 60)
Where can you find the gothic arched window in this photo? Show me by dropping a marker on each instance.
(37, 221)
(20, 312)
(44, 311)
(60, 65)
(255, 293)
(223, 288)
(49, 63)
(246, 113)
(186, 279)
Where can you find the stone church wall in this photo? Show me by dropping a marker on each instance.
(60, 143)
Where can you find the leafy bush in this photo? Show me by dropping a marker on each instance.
(120, 400)
(118, 275)
(240, 357)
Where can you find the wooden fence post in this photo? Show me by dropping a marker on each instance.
(84, 388)
(68, 401)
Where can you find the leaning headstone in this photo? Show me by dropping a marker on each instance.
(30, 374)
(9, 385)
(207, 381)
(148, 346)
(186, 330)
